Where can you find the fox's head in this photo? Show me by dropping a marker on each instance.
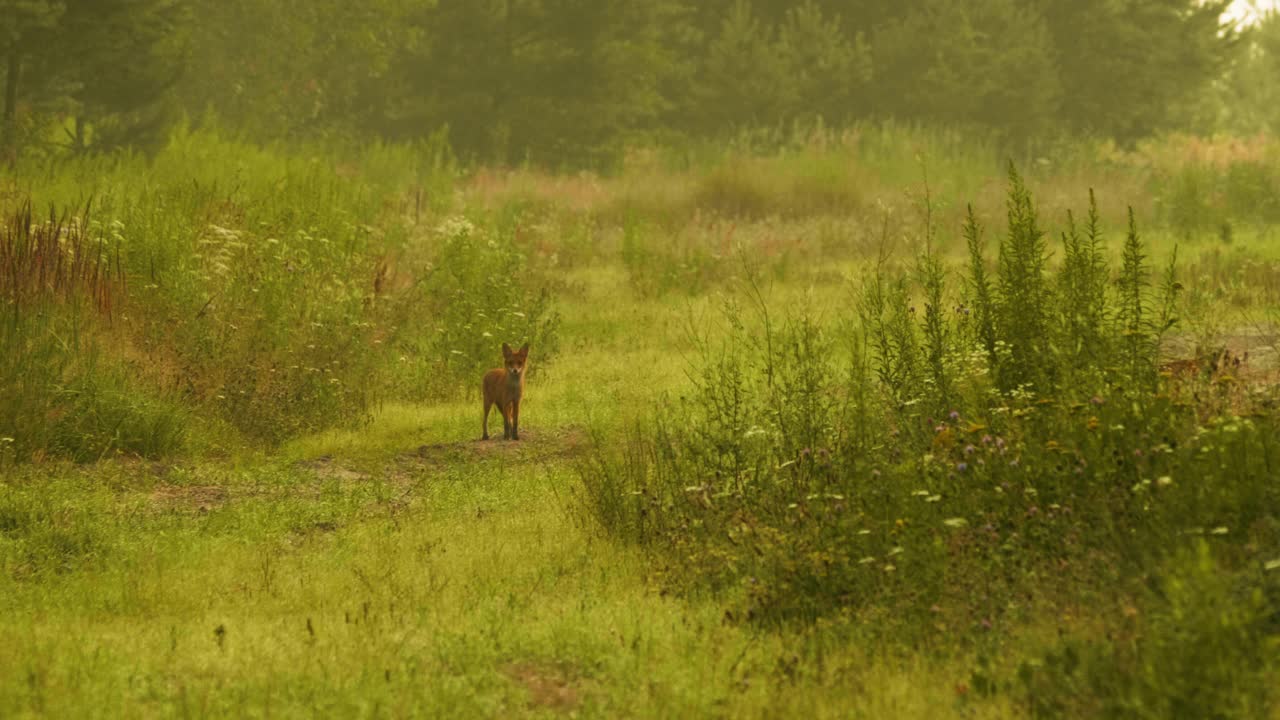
(515, 360)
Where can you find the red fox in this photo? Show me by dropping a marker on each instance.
(503, 387)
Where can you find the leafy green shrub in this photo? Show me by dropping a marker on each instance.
(943, 460)
(1207, 646)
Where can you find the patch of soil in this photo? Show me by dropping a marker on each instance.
(533, 446)
(549, 687)
(325, 468)
(189, 498)
(1252, 351)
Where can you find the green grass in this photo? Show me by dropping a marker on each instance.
(229, 534)
(452, 582)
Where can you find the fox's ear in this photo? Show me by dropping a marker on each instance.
(506, 350)
(524, 350)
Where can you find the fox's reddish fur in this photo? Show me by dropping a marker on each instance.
(503, 387)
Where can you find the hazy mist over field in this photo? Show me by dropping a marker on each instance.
(852, 358)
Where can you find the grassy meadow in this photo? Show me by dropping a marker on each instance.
(875, 423)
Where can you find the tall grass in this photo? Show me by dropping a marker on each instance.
(62, 283)
(269, 293)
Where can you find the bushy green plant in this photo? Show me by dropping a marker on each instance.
(478, 293)
(1207, 644)
(807, 475)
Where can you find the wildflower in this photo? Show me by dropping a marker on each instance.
(961, 467)
(955, 415)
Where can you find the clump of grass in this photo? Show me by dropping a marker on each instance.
(60, 285)
(1205, 647)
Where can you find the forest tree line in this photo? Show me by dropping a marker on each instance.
(570, 82)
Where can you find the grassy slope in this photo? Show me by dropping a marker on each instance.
(407, 569)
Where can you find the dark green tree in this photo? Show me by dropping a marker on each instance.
(102, 66)
(1129, 68)
(120, 58)
(28, 26)
(277, 68)
(550, 81)
(1247, 98)
(958, 62)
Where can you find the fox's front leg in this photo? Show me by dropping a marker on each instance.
(507, 422)
(515, 420)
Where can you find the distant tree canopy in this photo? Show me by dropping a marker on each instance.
(571, 81)
(104, 67)
(1247, 98)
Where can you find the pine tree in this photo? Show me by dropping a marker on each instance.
(27, 27)
(1129, 69)
(122, 58)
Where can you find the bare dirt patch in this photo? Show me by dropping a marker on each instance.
(533, 446)
(1252, 351)
(549, 688)
(327, 468)
(189, 498)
